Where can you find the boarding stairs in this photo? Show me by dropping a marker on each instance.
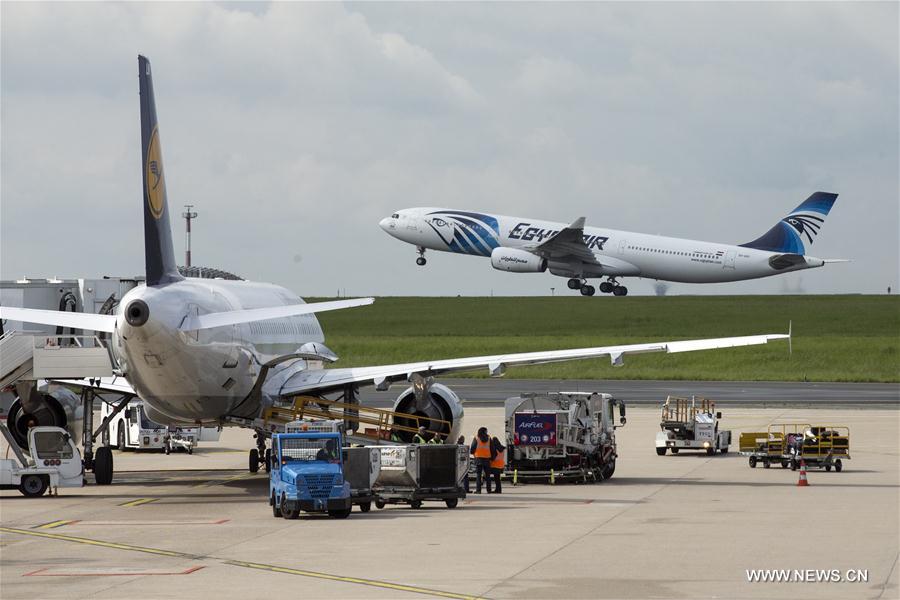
(30, 356)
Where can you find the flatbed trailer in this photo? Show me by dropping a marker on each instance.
(819, 446)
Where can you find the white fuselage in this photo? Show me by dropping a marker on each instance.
(203, 375)
(621, 253)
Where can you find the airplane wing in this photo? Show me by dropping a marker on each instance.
(322, 380)
(568, 243)
(232, 317)
(75, 320)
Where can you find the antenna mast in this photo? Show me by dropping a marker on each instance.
(188, 215)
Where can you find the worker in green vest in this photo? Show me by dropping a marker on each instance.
(419, 438)
(435, 439)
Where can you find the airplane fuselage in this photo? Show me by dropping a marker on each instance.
(205, 374)
(621, 253)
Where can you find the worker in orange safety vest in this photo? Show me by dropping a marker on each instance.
(481, 450)
(498, 462)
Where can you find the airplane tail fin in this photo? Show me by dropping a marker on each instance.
(159, 253)
(796, 231)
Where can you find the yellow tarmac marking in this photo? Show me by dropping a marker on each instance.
(138, 502)
(225, 480)
(357, 580)
(271, 568)
(55, 524)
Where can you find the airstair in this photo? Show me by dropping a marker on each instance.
(29, 356)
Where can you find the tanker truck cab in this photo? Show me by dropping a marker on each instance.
(307, 474)
(53, 462)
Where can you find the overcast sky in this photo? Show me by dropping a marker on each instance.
(294, 128)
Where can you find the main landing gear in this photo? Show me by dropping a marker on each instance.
(421, 260)
(607, 287)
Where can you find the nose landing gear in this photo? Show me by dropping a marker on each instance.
(421, 260)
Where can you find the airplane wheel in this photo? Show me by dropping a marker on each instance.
(103, 465)
(574, 284)
(33, 486)
(620, 290)
(606, 287)
(254, 460)
(421, 261)
(587, 290)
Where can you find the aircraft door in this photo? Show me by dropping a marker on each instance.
(729, 260)
(623, 244)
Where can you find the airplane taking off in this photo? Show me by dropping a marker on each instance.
(522, 245)
(220, 351)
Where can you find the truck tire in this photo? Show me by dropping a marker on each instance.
(451, 502)
(103, 465)
(675, 450)
(276, 510)
(288, 513)
(608, 469)
(416, 504)
(365, 506)
(33, 486)
(379, 504)
(254, 461)
(661, 451)
(339, 514)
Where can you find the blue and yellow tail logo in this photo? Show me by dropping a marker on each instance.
(156, 184)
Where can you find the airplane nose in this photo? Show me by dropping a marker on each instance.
(385, 224)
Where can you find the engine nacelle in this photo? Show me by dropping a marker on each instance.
(517, 261)
(440, 403)
(45, 404)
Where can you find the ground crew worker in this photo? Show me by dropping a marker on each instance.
(419, 438)
(435, 439)
(498, 462)
(395, 437)
(481, 450)
(461, 441)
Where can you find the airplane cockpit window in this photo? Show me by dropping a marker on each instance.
(395, 216)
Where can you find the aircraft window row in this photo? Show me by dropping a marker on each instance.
(672, 252)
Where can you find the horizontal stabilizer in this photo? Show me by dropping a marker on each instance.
(233, 317)
(73, 320)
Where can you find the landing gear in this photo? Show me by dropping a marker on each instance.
(587, 290)
(611, 286)
(421, 260)
(259, 454)
(620, 290)
(574, 284)
(606, 287)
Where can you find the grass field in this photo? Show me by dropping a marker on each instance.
(836, 338)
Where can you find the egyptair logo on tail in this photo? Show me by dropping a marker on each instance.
(805, 224)
(156, 185)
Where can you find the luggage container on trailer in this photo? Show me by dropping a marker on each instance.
(819, 446)
(419, 472)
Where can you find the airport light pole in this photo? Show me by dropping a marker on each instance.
(188, 215)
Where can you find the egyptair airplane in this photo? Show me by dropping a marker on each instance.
(220, 351)
(523, 245)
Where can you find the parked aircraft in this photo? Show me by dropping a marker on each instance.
(525, 245)
(218, 351)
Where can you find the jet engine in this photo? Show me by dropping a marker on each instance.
(517, 261)
(44, 404)
(437, 403)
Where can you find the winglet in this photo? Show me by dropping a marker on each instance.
(577, 224)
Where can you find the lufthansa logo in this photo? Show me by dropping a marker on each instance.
(156, 184)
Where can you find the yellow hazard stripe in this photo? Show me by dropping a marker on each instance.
(224, 480)
(357, 580)
(272, 568)
(54, 524)
(90, 542)
(139, 501)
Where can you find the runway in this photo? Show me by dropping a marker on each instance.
(492, 392)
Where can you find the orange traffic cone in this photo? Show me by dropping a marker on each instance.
(803, 481)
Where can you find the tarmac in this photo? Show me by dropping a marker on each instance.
(685, 526)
